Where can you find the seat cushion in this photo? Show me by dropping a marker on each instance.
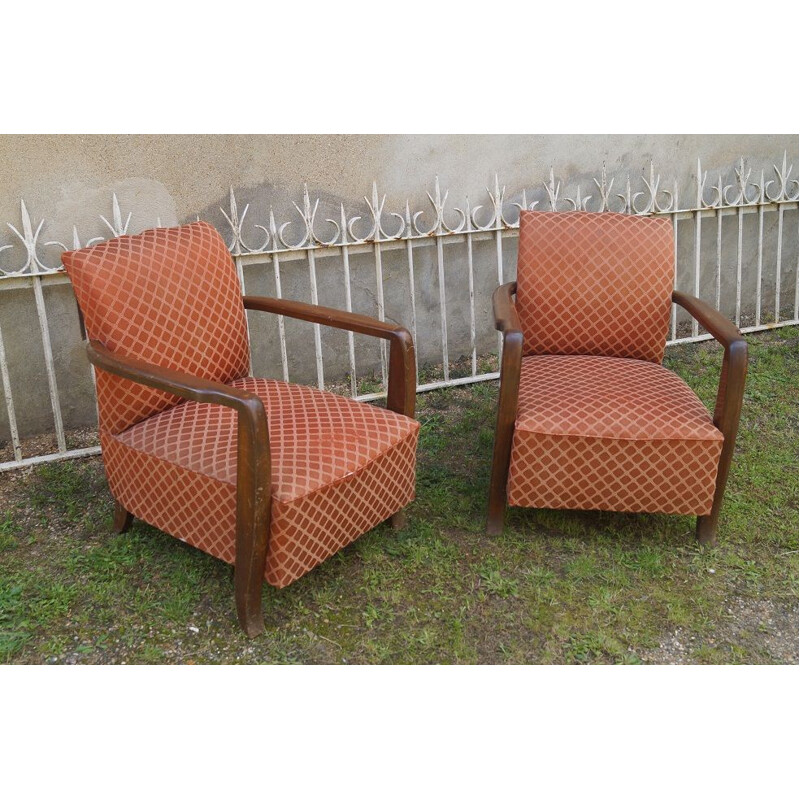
(616, 434)
(338, 469)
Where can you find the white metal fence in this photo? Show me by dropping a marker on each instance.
(378, 235)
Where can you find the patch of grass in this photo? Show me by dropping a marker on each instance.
(495, 583)
(65, 489)
(556, 587)
(13, 624)
(596, 648)
(9, 532)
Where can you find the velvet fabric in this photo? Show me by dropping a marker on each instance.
(171, 297)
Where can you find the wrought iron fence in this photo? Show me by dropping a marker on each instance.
(379, 234)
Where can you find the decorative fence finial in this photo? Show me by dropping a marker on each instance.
(650, 199)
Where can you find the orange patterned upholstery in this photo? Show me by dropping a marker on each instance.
(338, 469)
(171, 297)
(594, 284)
(600, 424)
(168, 296)
(615, 434)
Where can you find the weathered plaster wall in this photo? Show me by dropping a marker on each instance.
(69, 180)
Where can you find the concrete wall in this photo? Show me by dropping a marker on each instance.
(69, 180)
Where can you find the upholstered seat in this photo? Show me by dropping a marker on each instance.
(616, 434)
(268, 475)
(587, 416)
(338, 469)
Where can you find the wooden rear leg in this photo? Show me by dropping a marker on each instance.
(122, 518)
(707, 530)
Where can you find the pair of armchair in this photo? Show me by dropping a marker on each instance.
(275, 478)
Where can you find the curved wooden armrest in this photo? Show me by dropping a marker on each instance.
(402, 392)
(331, 317)
(734, 363)
(506, 318)
(190, 387)
(253, 466)
(506, 321)
(721, 328)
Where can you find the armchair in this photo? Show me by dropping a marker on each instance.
(270, 476)
(587, 416)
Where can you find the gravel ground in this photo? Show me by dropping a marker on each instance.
(756, 624)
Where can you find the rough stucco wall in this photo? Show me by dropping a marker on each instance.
(69, 180)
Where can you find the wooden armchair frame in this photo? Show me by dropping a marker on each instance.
(253, 477)
(727, 410)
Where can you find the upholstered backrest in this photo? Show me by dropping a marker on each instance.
(168, 296)
(594, 284)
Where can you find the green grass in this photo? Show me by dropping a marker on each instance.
(9, 531)
(555, 587)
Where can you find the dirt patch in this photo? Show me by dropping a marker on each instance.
(757, 626)
(45, 444)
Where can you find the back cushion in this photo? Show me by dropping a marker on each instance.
(168, 296)
(594, 284)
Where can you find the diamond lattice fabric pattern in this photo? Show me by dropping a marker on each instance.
(594, 284)
(167, 296)
(171, 297)
(613, 434)
(338, 469)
